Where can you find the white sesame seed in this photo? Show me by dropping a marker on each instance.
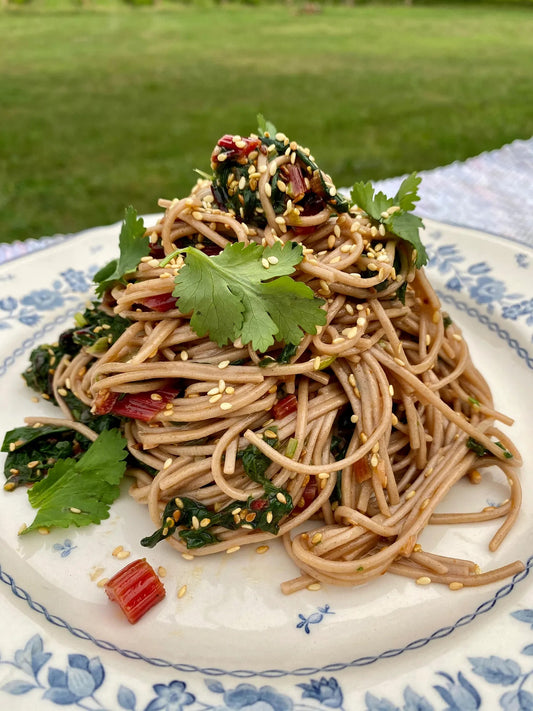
(424, 580)
(123, 555)
(233, 549)
(167, 463)
(102, 583)
(161, 571)
(456, 585)
(265, 263)
(314, 586)
(182, 591)
(223, 364)
(215, 397)
(273, 260)
(261, 549)
(226, 405)
(281, 498)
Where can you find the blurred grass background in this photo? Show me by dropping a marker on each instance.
(109, 105)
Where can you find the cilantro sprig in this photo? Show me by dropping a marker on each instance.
(246, 291)
(402, 222)
(80, 492)
(133, 246)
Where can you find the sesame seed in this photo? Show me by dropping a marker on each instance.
(410, 495)
(62, 392)
(436, 316)
(215, 398)
(457, 337)
(273, 260)
(456, 585)
(223, 364)
(182, 591)
(229, 390)
(374, 461)
(363, 437)
(233, 549)
(156, 396)
(265, 263)
(205, 522)
(399, 361)
(268, 189)
(195, 522)
(226, 405)
(314, 586)
(281, 498)
(32, 465)
(187, 556)
(167, 463)
(352, 380)
(316, 363)
(75, 510)
(44, 531)
(269, 517)
(424, 580)
(270, 433)
(391, 390)
(316, 539)
(161, 571)
(214, 391)
(123, 555)
(22, 528)
(102, 583)
(354, 419)
(261, 549)
(331, 242)
(221, 157)
(242, 183)
(424, 504)
(323, 475)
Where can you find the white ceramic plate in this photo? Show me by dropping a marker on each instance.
(234, 641)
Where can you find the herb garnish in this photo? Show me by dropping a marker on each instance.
(133, 246)
(245, 292)
(401, 222)
(80, 492)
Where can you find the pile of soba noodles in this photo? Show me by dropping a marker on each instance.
(359, 431)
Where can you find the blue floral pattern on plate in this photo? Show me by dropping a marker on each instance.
(77, 685)
(30, 309)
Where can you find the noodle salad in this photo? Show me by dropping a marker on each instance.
(270, 361)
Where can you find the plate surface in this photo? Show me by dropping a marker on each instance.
(233, 641)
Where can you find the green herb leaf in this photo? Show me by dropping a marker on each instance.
(402, 223)
(233, 295)
(81, 492)
(133, 246)
(264, 126)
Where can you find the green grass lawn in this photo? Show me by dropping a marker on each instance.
(104, 108)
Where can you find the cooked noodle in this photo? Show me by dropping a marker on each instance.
(402, 380)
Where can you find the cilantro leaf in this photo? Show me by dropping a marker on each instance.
(363, 196)
(402, 223)
(265, 126)
(133, 246)
(80, 491)
(233, 295)
(407, 193)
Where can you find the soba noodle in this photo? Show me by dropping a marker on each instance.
(388, 374)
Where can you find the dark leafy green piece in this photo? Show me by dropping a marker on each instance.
(481, 451)
(194, 522)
